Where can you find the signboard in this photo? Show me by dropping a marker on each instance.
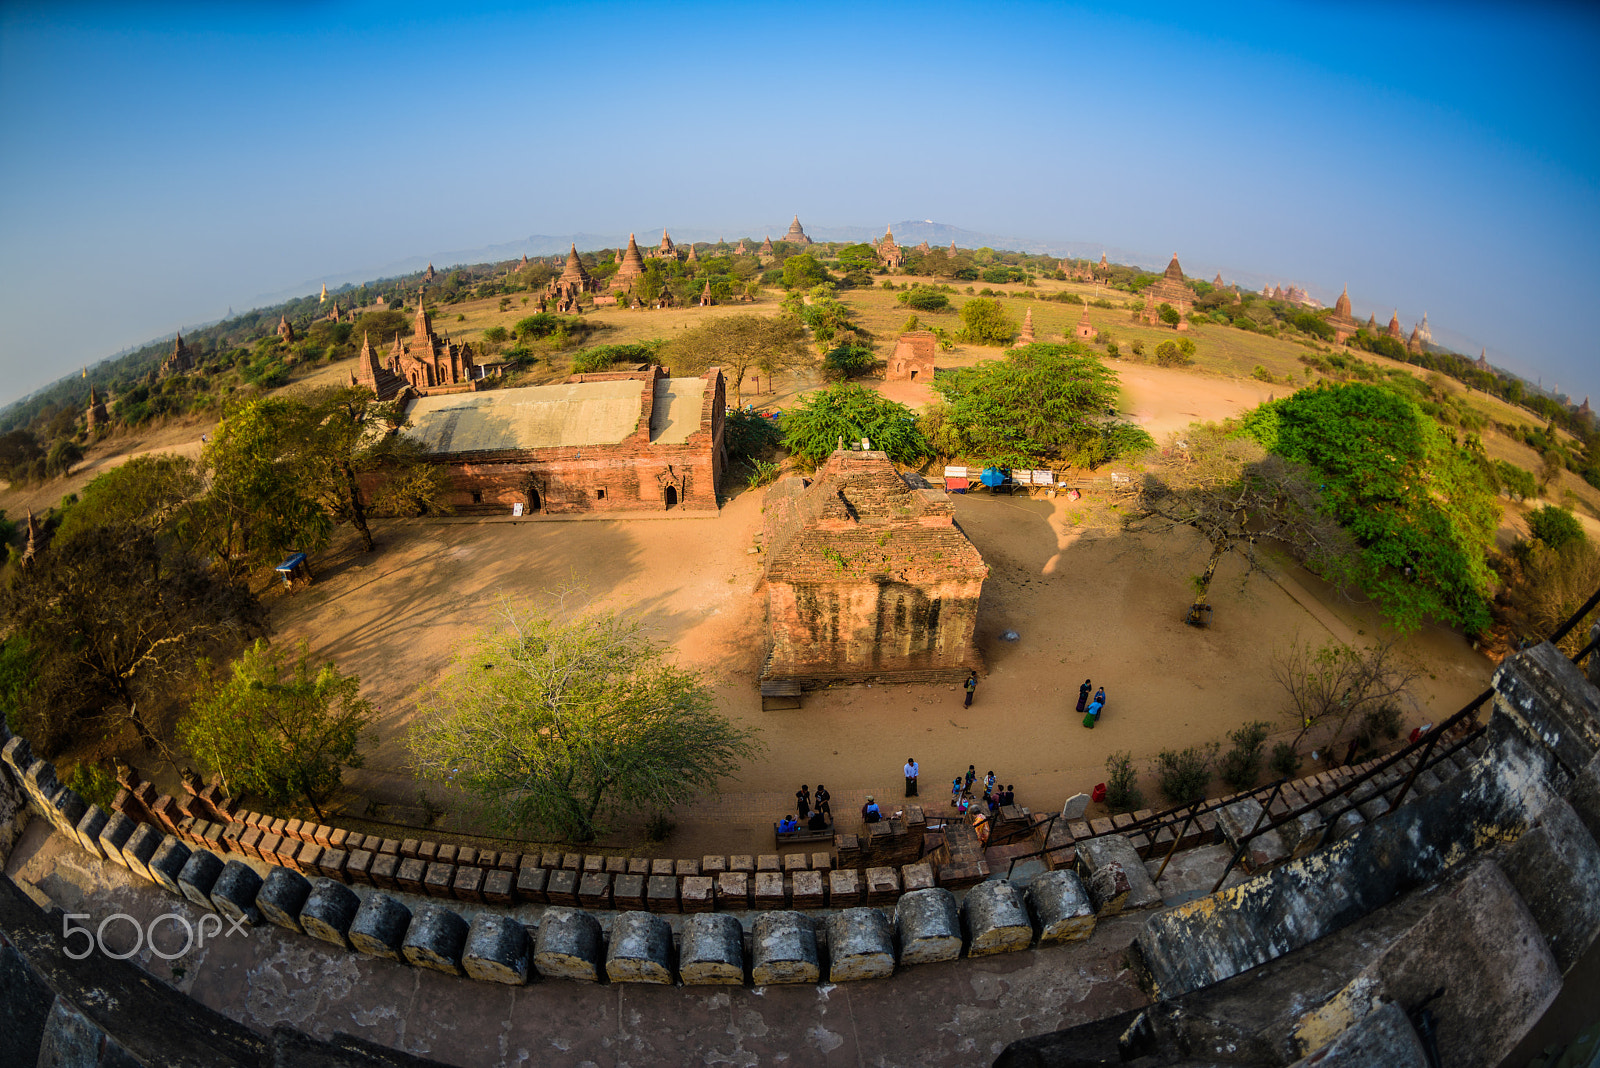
(1044, 478)
(1022, 478)
(516, 509)
(955, 472)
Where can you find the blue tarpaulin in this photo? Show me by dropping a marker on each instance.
(992, 477)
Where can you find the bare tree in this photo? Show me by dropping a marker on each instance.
(1236, 495)
(740, 344)
(1329, 686)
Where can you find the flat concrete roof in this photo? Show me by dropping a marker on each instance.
(529, 417)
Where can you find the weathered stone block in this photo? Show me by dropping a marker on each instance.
(234, 892)
(916, 876)
(733, 890)
(1061, 907)
(89, 828)
(568, 946)
(769, 862)
(627, 891)
(562, 887)
(140, 847)
(468, 884)
(1384, 1036)
(114, 835)
(1098, 852)
(1264, 850)
(594, 890)
(860, 945)
(66, 808)
(687, 867)
(822, 862)
(641, 949)
(328, 911)
(18, 755)
(385, 866)
(742, 862)
(883, 885)
(769, 893)
(355, 866)
(807, 892)
(784, 949)
(166, 862)
(844, 888)
(530, 885)
(435, 939)
(497, 886)
(712, 951)
(661, 893)
(439, 879)
(1108, 889)
(994, 919)
(282, 896)
(497, 950)
(379, 927)
(199, 876)
(1555, 867)
(710, 865)
(696, 893)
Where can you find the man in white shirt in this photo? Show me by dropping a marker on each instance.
(911, 776)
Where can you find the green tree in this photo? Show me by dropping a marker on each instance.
(847, 413)
(258, 505)
(1039, 404)
(558, 725)
(985, 322)
(740, 344)
(861, 257)
(1554, 526)
(847, 361)
(1168, 314)
(282, 727)
(803, 272)
(151, 491)
(1420, 505)
(112, 615)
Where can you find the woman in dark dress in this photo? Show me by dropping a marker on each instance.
(802, 801)
(1083, 695)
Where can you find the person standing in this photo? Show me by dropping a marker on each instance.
(955, 791)
(802, 801)
(1083, 695)
(824, 799)
(972, 774)
(911, 776)
(971, 686)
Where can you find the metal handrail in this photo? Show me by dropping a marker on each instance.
(1422, 749)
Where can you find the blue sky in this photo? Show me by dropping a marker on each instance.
(159, 164)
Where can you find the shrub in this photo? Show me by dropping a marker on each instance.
(1171, 354)
(985, 322)
(925, 300)
(1285, 760)
(496, 334)
(1184, 774)
(749, 434)
(1262, 374)
(1122, 783)
(847, 361)
(761, 474)
(1240, 766)
(1554, 526)
(1381, 719)
(93, 784)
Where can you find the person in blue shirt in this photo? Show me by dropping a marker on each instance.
(870, 812)
(787, 824)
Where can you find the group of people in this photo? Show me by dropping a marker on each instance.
(994, 796)
(814, 812)
(1091, 709)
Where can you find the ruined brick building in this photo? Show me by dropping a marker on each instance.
(1171, 289)
(913, 357)
(615, 441)
(867, 577)
(181, 361)
(426, 364)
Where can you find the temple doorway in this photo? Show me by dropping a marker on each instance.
(672, 497)
(534, 503)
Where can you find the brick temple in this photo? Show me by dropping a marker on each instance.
(1344, 324)
(1170, 289)
(913, 357)
(426, 364)
(868, 577)
(602, 443)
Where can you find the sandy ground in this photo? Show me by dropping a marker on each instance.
(1085, 602)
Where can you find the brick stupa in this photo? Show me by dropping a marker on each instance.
(1343, 323)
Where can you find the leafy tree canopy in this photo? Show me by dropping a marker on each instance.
(557, 725)
(740, 344)
(848, 412)
(985, 322)
(281, 727)
(1554, 526)
(803, 272)
(1039, 404)
(1421, 507)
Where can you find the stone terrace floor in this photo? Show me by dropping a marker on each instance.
(958, 1013)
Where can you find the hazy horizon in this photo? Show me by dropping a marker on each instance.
(161, 164)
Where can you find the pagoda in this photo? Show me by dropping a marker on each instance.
(1343, 323)
(632, 266)
(1170, 289)
(890, 254)
(1393, 329)
(1085, 329)
(796, 234)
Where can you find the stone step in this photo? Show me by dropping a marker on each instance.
(1098, 854)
